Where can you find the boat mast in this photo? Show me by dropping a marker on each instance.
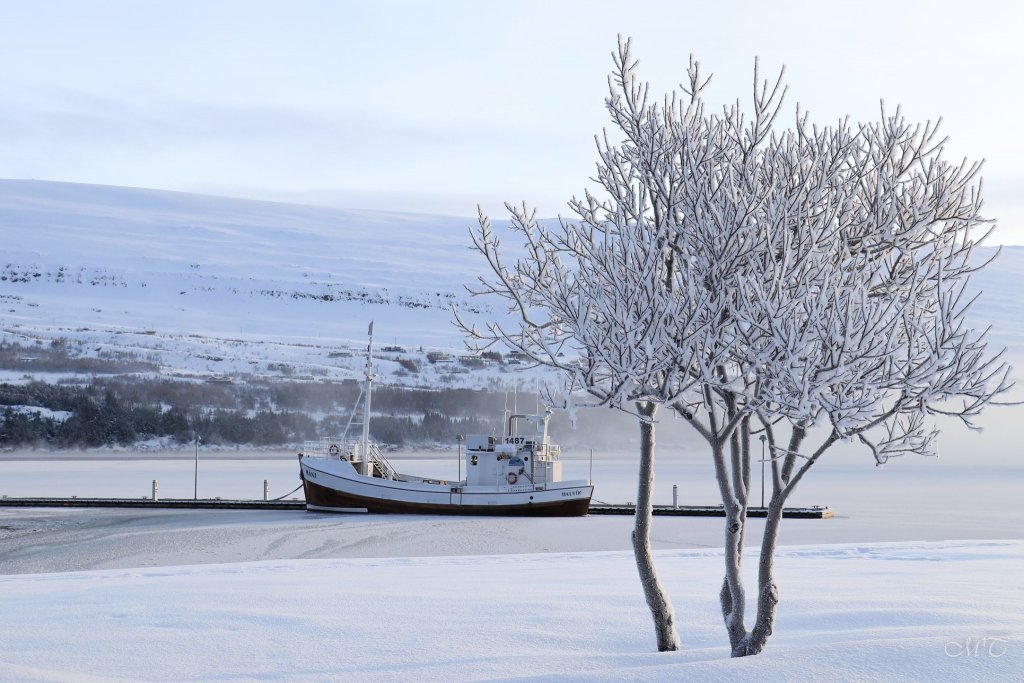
(367, 466)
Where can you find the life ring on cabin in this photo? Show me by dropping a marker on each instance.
(334, 450)
(512, 477)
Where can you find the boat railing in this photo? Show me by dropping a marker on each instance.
(549, 452)
(332, 448)
(328, 447)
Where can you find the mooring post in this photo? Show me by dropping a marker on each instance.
(266, 489)
(763, 439)
(195, 481)
(675, 497)
(156, 490)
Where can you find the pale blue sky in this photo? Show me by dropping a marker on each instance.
(438, 106)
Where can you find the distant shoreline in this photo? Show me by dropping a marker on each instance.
(91, 456)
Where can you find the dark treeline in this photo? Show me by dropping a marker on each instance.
(119, 410)
(60, 356)
(108, 405)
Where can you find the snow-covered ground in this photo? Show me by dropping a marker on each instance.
(949, 611)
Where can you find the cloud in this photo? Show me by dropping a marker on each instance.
(359, 157)
(78, 117)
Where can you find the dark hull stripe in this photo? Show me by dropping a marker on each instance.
(324, 497)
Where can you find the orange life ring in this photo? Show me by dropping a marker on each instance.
(512, 477)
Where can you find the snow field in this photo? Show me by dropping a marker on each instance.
(901, 611)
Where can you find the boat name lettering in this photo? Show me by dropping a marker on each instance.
(568, 494)
(517, 440)
(311, 474)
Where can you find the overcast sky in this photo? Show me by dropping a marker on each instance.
(438, 106)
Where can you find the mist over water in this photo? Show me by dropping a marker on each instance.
(961, 495)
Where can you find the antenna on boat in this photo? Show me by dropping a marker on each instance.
(367, 467)
(515, 406)
(504, 417)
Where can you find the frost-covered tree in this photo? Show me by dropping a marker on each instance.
(841, 255)
(804, 285)
(592, 300)
(849, 321)
(602, 298)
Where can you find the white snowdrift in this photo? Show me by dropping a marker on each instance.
(902, 611)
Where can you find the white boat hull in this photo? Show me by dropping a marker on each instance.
(335, 486)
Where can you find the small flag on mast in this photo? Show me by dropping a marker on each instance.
(369, 332)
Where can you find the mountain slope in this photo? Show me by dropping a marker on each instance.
(182, 275)
(211, 285)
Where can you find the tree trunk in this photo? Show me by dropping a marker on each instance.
(657, 599)
(733, 596)
(767, 589)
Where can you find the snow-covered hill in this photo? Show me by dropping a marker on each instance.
(215, 286)
(1001, 303)
(210, 286)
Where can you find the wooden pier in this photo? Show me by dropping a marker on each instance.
(814, 512)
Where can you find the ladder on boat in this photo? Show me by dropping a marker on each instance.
(381, 467)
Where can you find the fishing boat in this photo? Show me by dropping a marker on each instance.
(516, 473)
